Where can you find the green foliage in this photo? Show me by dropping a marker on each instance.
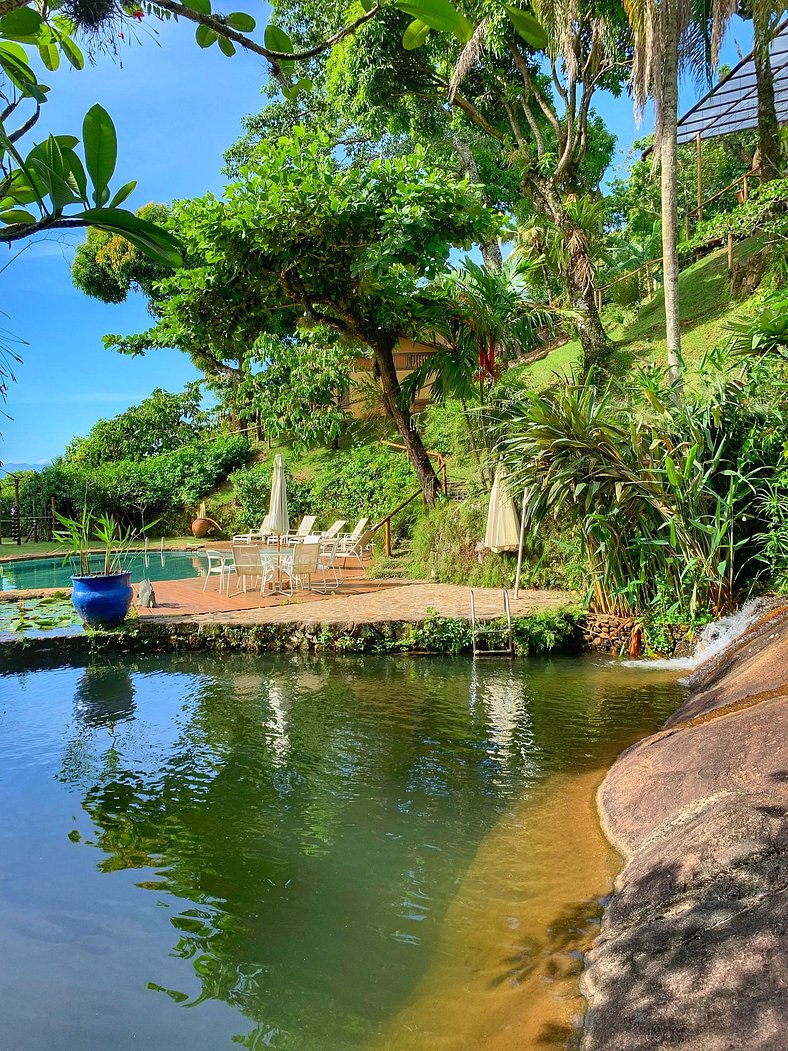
(366, 480)
(547, 631)
(665, 502)
(292, 388)
(79, 535)
(107, 266)
(160, 424)
(766, 332)
(132, 489)
(766, 211)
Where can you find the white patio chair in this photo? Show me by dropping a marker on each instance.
(220, 563)
(258, 536)
(298, 564)
(327, 563)
(359, 547)
(248, 563)
(348, 541)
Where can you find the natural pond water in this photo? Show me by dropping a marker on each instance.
(305, 853)
(52, 573)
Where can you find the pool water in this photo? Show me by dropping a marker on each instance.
(299, 852)
(52, 573)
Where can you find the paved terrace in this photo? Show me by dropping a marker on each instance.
(357, 601)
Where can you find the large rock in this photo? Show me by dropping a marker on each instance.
(693, 954)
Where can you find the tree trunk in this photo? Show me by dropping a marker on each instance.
(668, 178)
(768, 125)
(579, 277)
(411, 439)
(491, 250)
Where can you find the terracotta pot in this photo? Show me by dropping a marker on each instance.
(200, 527)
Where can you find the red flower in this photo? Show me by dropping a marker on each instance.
(139, 14)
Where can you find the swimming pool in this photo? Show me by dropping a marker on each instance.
(51, 573)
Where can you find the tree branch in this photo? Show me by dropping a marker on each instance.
(25, 128)
(16, 231)
(548, 111)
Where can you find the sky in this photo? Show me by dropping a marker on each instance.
(176, 109)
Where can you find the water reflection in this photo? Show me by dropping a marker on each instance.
(104, 696)
(303, 823)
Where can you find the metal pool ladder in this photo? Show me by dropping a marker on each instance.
(482, 633)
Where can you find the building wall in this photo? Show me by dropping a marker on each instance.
(364, 398)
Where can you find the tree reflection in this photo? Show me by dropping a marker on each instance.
(313, 817)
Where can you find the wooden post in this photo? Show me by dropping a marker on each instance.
(730, 250)
(699, 174)
(52, 509)
(387, 534)
(746, 188)
(18, 517)
(649, 282)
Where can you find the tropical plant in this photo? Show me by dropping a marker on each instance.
(664, 504)
(764, 333)
(80, 534)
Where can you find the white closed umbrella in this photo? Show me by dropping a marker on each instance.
(503, 522)
(278, 519)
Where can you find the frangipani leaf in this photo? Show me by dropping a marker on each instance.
(527, 26)
(151, 239)
(101, 150)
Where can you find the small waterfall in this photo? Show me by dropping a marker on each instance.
(713, 639)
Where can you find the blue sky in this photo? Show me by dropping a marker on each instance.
(176, 109)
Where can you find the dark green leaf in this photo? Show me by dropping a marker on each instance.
(50, 56)
(123, 193)
(150, 239)
(206, 36)
(203, 7)
(75, 173)
(241, 21)
(101, 149)
(22, 24)
(14, 64)
(227, 47)
(438, 14)
(72, 52)
(16, 215)
(277, 40)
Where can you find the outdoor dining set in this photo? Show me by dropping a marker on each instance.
(260, 559)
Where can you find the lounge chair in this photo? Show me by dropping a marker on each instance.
(298, 564)
(347, 541)
(248, 563)
(334, 530)
(303, 531)
(255, 536)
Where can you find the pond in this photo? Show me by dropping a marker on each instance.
(308, 853)
(51, 573)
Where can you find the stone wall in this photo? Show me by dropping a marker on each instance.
(693, 953)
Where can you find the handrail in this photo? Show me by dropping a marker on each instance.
(386, 522)
(442, 465)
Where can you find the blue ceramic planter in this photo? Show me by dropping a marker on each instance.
(102, 601)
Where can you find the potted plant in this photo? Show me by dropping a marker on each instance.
(101, 593)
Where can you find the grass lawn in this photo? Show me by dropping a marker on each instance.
(706, 311)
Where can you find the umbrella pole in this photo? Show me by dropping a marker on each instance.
(520, 548)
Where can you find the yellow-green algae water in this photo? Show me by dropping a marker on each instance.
(305, 853)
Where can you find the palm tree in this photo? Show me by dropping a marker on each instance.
(667, 34)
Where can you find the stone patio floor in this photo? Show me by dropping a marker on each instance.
(358, 601)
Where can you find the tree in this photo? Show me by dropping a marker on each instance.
(765, 16)
(160, 424)
(304, 239)
(664, 33)
(292, 387)
(515, 100)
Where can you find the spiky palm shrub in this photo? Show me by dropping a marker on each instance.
(665, 502)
